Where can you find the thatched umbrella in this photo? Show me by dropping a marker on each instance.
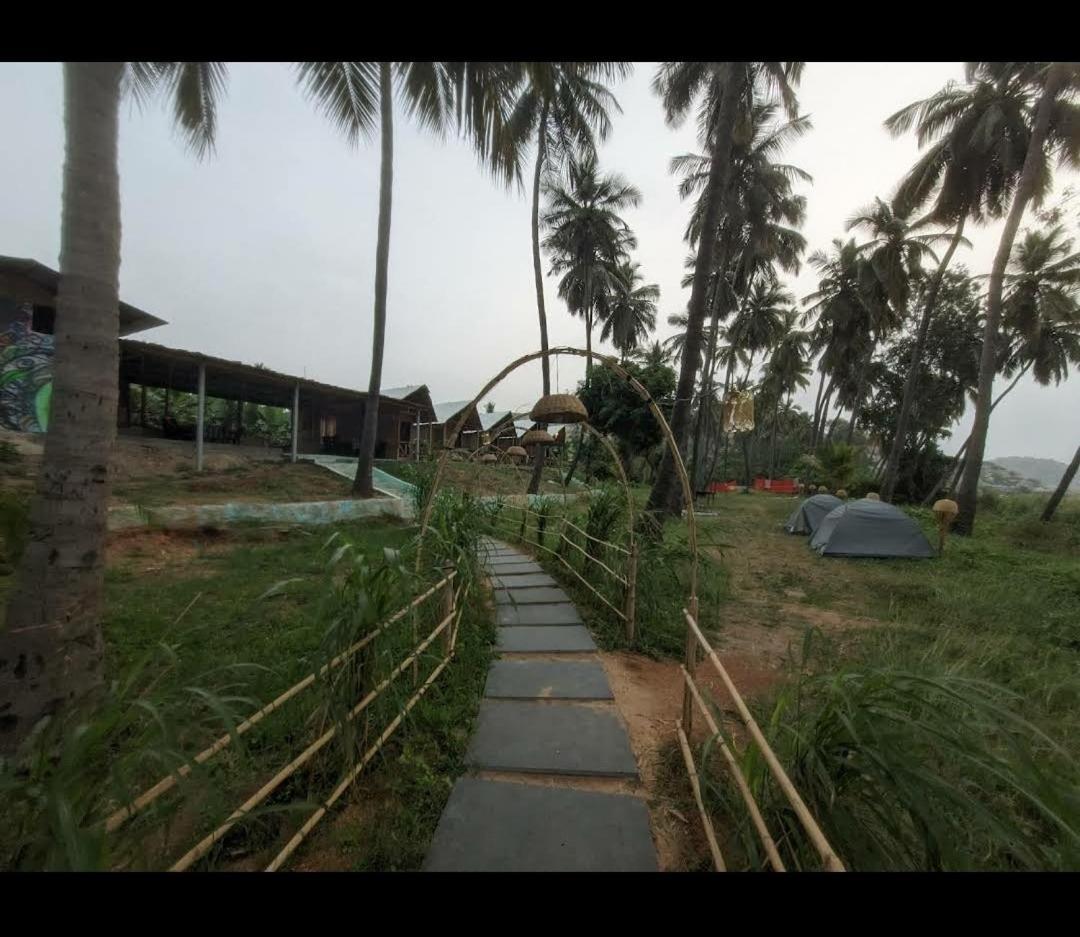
(517, 453)
(538, 437)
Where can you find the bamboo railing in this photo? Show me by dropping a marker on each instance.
(692, 697)
(447, 627)
(625, 582)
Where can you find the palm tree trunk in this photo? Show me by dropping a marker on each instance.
(362, 485)
(1063, 486)
(817, 408)
(666, 495)
(538, 280)
(832, 426)
(892, 467)
(967, 497)
(709, 366)
(51, 652)
(772, 443)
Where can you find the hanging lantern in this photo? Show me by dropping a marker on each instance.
(559, 408)
(517, 453)
(743, 417)
(538, 437)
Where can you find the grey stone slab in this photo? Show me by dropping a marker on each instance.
(550, 738)
(545, 639)
(547, 679)
(522, 580)
(512, 567)
(555, 613)
(500, 826)
(530, 596)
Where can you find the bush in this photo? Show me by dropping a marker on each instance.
(14, 526)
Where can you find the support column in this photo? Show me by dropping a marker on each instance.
(295, 420)
(200, 419)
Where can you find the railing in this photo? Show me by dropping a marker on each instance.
(449, 616)
(692, 697)
(621, 600)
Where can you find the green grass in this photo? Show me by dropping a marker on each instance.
(949, 737)
(190, 623)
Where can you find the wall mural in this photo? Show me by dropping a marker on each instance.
(25, 375)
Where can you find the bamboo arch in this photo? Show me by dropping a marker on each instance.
(634, 384)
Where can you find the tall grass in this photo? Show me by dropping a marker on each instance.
(909, 765)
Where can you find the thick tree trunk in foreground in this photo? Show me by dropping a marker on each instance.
(51, 651)
(538, 279)
(967, 497)
(666, 494)
(1063, 486)
(892, 466)
(362, 485)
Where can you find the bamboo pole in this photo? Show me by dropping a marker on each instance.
(606, 543)
(117, 819)
(613, 365)
(292, 844)
(631, 593)
(204, 845)
(695, 786)
(592, 559)
(740, 780)
(809, 824)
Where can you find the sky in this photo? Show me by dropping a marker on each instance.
(265, 252)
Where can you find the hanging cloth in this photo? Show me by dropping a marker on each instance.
(743, 417)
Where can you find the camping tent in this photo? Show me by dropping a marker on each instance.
(806, 517)
(870, 528)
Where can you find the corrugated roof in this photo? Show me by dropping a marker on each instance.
(400, 393)
(488, 420)
(132, 319)
(447, 411)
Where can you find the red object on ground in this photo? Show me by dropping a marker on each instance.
(779, 486)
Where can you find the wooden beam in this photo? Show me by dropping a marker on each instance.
(200, 418)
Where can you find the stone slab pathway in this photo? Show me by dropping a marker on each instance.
(543, 714)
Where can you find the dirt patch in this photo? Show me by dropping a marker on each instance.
(649, 695)
(147, 550)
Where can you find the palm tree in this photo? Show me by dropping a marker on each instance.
(1063, 486)
(586, 237)
(1048, 89)
(51, 651)
(894, 261)
(654, 355)
(563, 107)
(358, 97)
(787, 371)
(726, 94)
(969, 172)
(630, 314)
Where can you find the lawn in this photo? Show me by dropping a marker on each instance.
(189, 613)
(254, 481)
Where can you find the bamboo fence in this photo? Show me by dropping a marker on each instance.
(447, 627)
(692, 697)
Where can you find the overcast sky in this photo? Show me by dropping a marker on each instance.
(265, 253)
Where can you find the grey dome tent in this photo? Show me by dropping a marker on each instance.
(806, 517)
(870, 528)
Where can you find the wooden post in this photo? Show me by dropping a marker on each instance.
(691, 667)
(295, 420)
(142, 393)
(448, 610)
(200, 418)
(631, 591)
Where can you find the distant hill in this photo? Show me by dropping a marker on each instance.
(1019, 473)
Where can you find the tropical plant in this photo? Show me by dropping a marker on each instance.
(726, 93)
(1063, 486)
(587, 238)
(358, 98)
(630, 313)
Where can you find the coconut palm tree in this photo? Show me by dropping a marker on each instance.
(1048, 90)
(562, 107)
(725, 94)
(653, 355)
(587, 238)
(787, 371)
(358, 98)
(1063, 486)
(51, 651)
(894, 255)
(969, 172)
(630, 314)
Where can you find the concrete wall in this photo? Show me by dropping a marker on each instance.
(306, 513)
